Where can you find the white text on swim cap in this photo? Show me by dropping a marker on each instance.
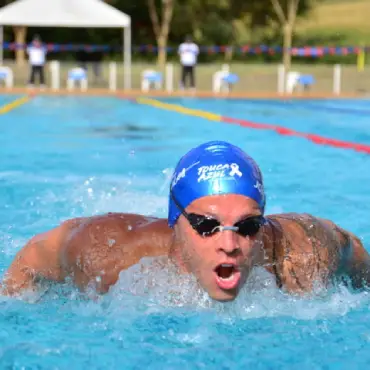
(217, 171)
(181, 174)
(259, 187)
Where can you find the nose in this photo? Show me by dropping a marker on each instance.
(228, 242)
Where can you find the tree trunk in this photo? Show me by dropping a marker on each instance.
(287, 20)
(161, 27)
(229, 52)
(287, 44)
(162, 50)
(20, 33)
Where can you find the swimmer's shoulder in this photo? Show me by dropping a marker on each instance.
(308, 225)
(297, 221)
(113, 242)
(117, 222)
(53, 239)
(100, 231)
(303, 232)
(289, 222)
(307, 251)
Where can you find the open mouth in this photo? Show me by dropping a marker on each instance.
(227, 276)
(225, 271)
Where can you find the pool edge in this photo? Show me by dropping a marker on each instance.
(199, 94)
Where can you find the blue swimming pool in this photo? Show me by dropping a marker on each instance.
(63, 157)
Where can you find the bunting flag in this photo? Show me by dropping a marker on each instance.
(306, 51)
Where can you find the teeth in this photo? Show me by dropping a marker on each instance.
(228, 278)
(227, 265)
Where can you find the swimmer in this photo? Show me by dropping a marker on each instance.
(216, 230)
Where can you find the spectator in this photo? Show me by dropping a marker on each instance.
(97, 64)
(37, 58)
(188, 52)
(82, 59)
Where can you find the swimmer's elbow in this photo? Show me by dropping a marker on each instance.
(27, 266)
(358, 263)
(359, 275)
(25, 290)
(37, 260)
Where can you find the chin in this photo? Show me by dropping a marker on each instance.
(224, 296)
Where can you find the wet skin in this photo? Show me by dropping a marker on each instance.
(302, 251)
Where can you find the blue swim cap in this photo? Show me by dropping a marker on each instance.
(215, 167)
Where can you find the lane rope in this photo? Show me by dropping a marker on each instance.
(6, 108)
(281, 130)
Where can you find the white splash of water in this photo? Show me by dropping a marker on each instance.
(120, 195)
(153, 285)
(158, 285)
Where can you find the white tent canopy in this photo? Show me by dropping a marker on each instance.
(69, 13)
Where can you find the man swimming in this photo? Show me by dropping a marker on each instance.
(216, 230)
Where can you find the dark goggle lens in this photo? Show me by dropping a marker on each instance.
(204, 226)
(250, 226)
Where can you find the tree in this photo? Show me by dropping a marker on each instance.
(217, 22)
(286, 11)
(161, 25)
(20, 34)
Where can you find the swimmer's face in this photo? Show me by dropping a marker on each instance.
(220, 261)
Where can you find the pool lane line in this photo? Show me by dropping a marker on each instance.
(180, 109)
(281, 130)
(14, 104)
(306, 105)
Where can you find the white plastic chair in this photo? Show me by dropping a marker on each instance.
(292, 80)
(151, 79)
(6, 76)
(77, 75)
(223, 80)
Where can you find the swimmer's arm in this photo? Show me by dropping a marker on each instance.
(355, 260)
(317, 251)
(358, 263)
(24, 271)
(38, 259)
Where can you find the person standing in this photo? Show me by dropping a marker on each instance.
(188, 52)
(37, 58)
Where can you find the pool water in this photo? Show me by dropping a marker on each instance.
(63, 157)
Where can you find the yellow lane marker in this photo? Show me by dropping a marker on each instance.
(180, 109)
(14, 104)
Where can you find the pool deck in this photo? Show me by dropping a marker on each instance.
(157, 93)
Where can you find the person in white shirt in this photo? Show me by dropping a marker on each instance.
(37, 58)
(188, 52)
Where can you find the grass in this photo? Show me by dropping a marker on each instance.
(254, 78)
(340, 22)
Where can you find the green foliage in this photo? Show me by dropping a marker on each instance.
(211, 22)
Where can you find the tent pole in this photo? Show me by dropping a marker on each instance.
(127, 57)
(2, 45)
